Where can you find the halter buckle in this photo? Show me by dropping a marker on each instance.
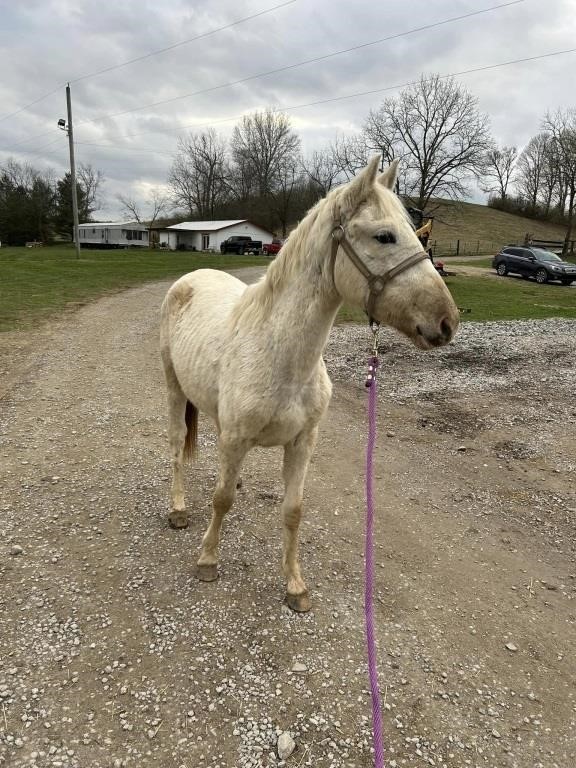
(338, 232)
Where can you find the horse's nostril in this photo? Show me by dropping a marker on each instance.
(446, 329)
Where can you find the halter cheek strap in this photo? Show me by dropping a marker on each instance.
(376, 283)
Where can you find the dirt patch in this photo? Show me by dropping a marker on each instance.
(112, 654)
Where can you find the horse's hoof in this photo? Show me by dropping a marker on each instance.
(207, 572)
(178, 518)
(299, 603)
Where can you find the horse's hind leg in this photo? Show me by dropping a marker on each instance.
(231, 455)
(177, 430)
(296, 459)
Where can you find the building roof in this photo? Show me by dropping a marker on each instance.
(207, 226)
(113, 224)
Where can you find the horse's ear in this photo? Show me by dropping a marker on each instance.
(388, 178)
(358, 190)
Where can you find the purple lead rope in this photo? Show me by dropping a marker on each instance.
(369, 566)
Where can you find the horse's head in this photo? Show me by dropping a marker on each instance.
(375, 226)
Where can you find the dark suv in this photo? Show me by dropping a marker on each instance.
(534, 262)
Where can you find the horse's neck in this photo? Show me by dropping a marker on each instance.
(303, 309)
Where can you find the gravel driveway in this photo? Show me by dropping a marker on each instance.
(112, 654)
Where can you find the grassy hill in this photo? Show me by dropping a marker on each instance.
(482, 230)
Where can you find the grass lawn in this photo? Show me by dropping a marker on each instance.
(511, 298)
(38, 282)
(506, 299)
(486, 263)
(483, 228)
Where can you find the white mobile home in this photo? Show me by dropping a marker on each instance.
(208, 235)
(114, 234)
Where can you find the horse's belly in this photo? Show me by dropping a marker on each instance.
(198, 331)
(198, 377)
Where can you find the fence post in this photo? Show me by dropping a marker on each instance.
(457, 247)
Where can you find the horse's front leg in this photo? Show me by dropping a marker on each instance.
(296, 459)
(231, 454)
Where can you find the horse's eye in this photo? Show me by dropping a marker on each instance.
(385, 237)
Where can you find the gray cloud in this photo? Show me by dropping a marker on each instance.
(44, 43)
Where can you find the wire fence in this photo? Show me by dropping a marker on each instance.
(483, 248)
(459, 247)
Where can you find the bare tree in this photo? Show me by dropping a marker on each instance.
(289, 183)
(200, 175)
(19, 174)
(350, 155)
(90, 180)
(158, 203)
(262, 144)
(323, 170)
(531, 167)
(378, 139)
(436, 127)
(552, 193)
(498, 170)
(561, 127)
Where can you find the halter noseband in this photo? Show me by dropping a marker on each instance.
(376, 283)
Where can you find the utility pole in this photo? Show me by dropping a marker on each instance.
(68, 128)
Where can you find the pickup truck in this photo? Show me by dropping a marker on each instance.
(271, 249)
(241, 244)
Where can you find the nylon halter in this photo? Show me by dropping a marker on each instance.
(376, 283)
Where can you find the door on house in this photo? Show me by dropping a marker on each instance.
(205, 242)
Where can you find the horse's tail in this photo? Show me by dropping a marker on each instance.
(191, 440)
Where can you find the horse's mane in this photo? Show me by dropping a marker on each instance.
(306, 248)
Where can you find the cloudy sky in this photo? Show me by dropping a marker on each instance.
(127, 120)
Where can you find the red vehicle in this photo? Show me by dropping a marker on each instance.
(271, 249)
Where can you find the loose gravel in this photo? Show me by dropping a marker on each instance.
(112, 654)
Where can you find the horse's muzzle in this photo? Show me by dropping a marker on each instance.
(429, 337)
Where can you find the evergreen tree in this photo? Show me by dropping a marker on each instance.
(64, 217)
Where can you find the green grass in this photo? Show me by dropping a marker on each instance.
(510, 298)
(37, 283)
(486, 263)
(505, 299)
(481, 229)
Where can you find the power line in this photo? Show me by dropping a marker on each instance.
(36, 136)
(302, 63)
(287, 67)
(32, 103)
(37, 150)
(123, 149)
(184, 42)
(357, 94)
(149, 55)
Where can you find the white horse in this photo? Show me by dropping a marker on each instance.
(250, 357)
